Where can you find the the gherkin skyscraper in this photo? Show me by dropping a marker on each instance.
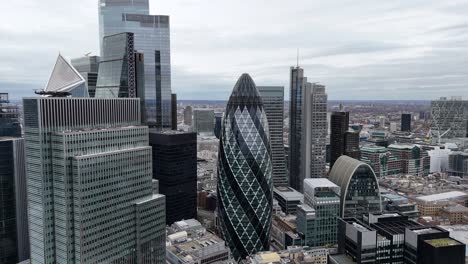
(244, 172)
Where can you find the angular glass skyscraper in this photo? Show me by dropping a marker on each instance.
(90, 188)
(273, 103)
(14, 239)
(152, 39)
(244, 172)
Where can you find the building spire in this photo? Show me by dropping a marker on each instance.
(297, 58)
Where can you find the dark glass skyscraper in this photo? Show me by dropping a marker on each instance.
(244, 172)
(9, 123)
(339, 123)
(343, 141)
(14, 238)
(406, 122)
(175, 167)
(174, 111)
(152, 39)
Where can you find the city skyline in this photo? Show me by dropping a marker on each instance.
(390, 50)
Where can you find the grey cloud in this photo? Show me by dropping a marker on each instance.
(359, 49)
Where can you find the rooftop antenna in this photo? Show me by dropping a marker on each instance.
(297, 57)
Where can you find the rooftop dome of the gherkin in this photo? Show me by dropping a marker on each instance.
(245, 92)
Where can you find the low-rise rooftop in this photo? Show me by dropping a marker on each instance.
(443, 196)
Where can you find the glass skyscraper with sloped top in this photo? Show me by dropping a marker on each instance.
(152, 39)
(244, 172)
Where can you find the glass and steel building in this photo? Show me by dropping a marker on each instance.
(121, 71)
(406, 122)
(175, 167)
(360, 194)
(152, 39)
(90, 192)
(245, 185)
(458, 164)
(273, 104)
(14, 238)
(10, 125)
(449, 118)
(339, 124)
(88, 67)
(203, 121)
(117, 73)
(317, 219)
(308, 129)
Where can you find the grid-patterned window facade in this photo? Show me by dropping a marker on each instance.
(273, 104)
(89, 168)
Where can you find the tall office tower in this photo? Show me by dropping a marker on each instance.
(406, 122)
(188, 115)
(174, 111)
(88, 67)
(360, 194)
(245, 185)
(175, 167)
(152, 39)
(317, 218)
(203, 121)
(449, 118)
(308, 129)
(14, 238)
(89, 180)
(66, 80)
(218, 124)
(273, 104)
(339, 122)
(10, 126)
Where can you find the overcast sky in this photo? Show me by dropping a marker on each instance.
(366, 49)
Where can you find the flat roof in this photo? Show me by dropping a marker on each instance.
(320, 182)
(457, 208)
(442, 242)
(394, 227)
(442, 196)
(402, 146)
(288, 193)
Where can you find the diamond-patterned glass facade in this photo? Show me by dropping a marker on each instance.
(244, 172)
